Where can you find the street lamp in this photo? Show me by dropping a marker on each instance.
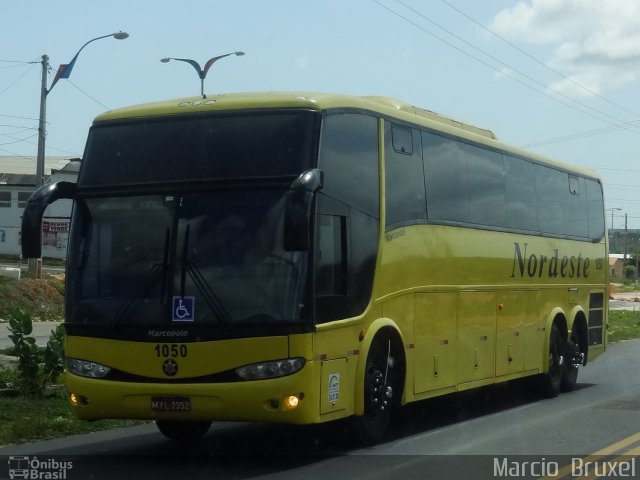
(613, 210)
(202, 72)
(64, 71)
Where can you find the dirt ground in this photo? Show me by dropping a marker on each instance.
(627, 296)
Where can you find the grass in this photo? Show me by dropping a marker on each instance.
(623, 325)
(27, 419)
(32, 418)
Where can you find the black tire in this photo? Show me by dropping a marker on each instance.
(571, 367)
(183, 431)
(552, 380)
(378, 394)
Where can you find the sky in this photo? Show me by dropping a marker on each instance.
(558, 77)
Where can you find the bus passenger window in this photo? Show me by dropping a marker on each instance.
(332, 256)
(404, 176)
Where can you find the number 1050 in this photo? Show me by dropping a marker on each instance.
(173, 350)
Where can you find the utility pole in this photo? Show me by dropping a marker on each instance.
(35, 264)
(626, 243)
(42, 123)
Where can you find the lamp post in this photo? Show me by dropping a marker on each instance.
(64, 71)
(202, 72)
(613, 210)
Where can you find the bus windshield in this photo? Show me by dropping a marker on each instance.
(209, 258)
(204, 244)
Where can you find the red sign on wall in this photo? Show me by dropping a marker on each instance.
(55, 227)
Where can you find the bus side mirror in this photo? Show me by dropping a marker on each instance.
(297, 216)
(33, 212)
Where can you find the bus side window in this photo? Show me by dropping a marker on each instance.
(404, 170)
(332, 255)
(595, 210)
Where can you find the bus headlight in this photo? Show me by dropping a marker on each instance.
(85, 368)
(273, 369)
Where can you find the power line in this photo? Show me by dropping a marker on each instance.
(75, 154)
(622, 185)
(575, 136)
(18, 79)
(14, 154)
(528, 77)
(24, 129)
(10, 66)
(623, 200)
(538, 61)
(92, 98)
(617, 169)
(584, 134)
(542, 92)
(16, 126)
(620, 125)
(20, 118)
(486, 64)
(16, 63)
(20, 140)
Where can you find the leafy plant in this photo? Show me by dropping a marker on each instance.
(37, 369)
(54, 356)
(26, 350)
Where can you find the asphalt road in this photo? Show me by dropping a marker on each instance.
(624, 305)
(466, 435)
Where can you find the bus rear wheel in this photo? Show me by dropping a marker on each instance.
(574, 358)
(180, 431)
(552, 380)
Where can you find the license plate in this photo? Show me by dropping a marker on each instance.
(170, 404)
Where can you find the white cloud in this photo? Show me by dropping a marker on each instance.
(596, 42)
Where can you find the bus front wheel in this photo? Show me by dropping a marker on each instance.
(380, 388)
(181, 431)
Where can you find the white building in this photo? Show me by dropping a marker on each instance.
(17, 182)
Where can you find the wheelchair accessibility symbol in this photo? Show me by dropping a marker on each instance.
(183, 309)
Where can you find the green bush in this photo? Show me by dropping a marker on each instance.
(36, 369)
(630, 271)
(54, 356)
(26, 350)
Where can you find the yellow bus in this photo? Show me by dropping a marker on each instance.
(303, 258)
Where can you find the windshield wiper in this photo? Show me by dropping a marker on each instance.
(200, 282)
(156, 273)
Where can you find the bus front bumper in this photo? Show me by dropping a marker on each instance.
(291, 399)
